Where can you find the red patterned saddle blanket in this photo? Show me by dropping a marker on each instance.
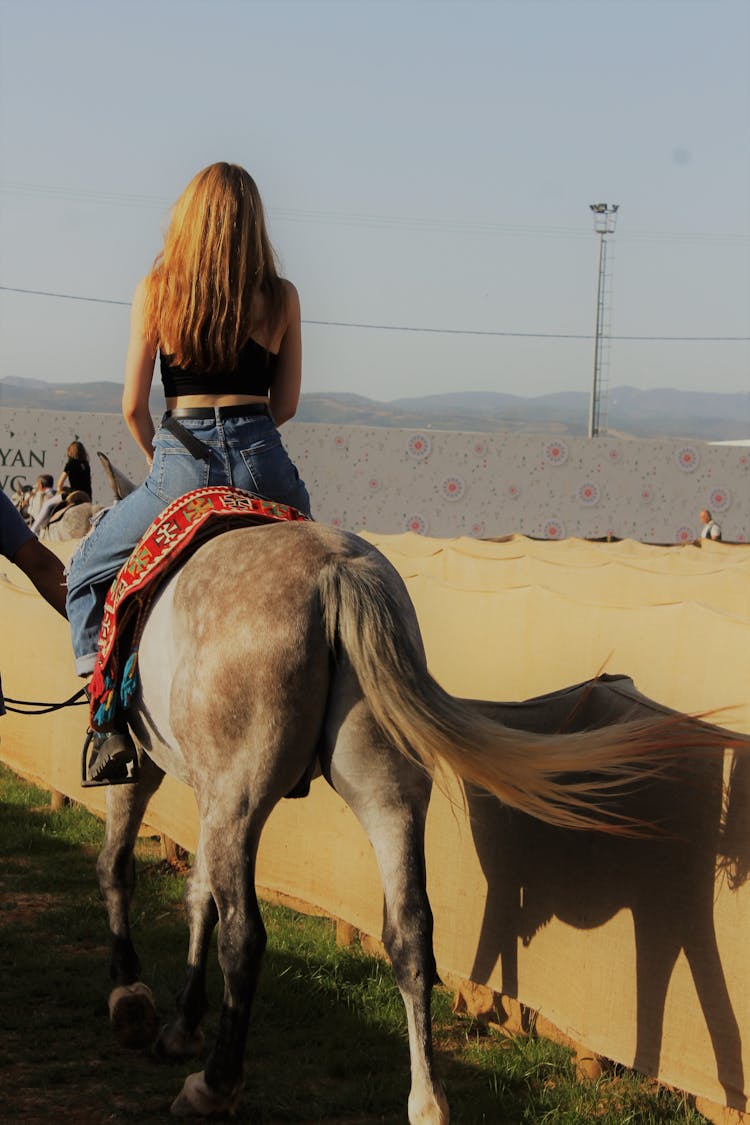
(173, 536)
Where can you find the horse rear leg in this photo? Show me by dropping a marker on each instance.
(389, 797)
(131, 1004)
(182, 1037)
(229, 841)
(397, 837)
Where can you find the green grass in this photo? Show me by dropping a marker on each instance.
(328, 1038)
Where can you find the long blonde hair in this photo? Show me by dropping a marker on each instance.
(203, 289)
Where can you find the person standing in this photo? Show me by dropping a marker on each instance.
(227, 330)
(711, 529)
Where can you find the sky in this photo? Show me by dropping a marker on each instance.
(427, 168)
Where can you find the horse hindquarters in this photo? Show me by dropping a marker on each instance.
(389, 796)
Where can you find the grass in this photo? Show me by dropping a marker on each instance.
(328, 1039)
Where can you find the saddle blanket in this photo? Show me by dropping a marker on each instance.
(173, 536)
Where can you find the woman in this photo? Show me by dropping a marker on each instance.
(76, 475)
(227, 331)
(77, 471)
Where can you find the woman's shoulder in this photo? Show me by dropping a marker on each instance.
(291, 298)
(289, 289)
(139, 294)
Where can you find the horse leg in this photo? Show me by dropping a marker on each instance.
(389, 797)
(182, 1037)
(397, 837)
(229, 841)
(131, 1006)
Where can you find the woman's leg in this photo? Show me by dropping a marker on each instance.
(110, 757)
(96, 563)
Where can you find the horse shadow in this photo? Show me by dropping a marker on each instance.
(535, 872)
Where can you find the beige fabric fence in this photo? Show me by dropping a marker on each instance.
(638, 950)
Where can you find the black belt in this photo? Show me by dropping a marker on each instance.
(197, 448)
(241, 410)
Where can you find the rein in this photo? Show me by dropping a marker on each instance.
(45, 708)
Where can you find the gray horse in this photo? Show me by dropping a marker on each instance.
(281, 649)
(72, 520)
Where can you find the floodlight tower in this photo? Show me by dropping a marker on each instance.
(605, 217)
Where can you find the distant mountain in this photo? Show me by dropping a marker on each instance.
(13, 381)
(662, 412)
(89, 398)
(631, 412)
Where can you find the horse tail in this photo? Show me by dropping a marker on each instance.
(570, 779)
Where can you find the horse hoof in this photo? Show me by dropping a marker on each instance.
(132, 1013)
(429, 1107)
(174, 1043)
(196, 1099)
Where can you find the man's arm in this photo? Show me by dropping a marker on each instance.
(45, 570)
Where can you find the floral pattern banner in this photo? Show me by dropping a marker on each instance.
(447, 484)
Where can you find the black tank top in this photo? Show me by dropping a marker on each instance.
(253, 375)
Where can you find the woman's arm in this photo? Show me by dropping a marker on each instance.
(61, 482)
(139, 374)
(288, 378)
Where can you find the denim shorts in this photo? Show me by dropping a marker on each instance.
(245, 452)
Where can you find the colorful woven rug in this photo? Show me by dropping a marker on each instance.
(169, 541)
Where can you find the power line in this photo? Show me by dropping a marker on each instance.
(531, 335)
(374, 221)
(64, 296)
(409, 327)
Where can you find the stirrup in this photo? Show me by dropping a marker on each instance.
(100, 767)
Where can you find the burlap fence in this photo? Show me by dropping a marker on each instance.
(638, 950)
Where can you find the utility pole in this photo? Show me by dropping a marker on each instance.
(605, 217)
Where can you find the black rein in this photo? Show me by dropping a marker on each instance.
(76, 700)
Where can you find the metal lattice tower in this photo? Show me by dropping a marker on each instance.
(605, 217)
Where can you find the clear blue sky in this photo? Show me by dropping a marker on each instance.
(424, 164)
